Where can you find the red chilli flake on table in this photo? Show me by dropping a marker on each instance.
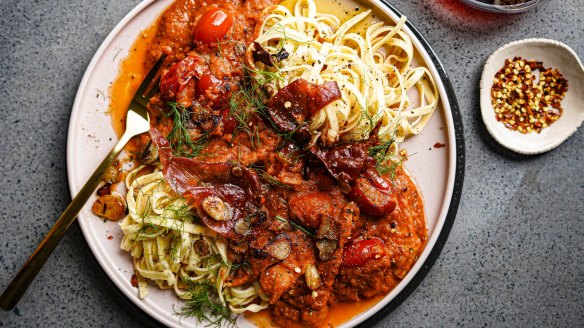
(134, 281)
(521, 104)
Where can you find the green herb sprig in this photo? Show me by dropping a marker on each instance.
(250, 98)
(295, 225)
(386, 162)
(181, 142)
(269, 178)
(204, 308)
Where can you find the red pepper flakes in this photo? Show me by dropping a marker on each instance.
(134, 281)
(439, 145)
(522, 105)
(110, 237)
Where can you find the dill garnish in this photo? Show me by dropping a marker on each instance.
(241, 107)
(117, 53)
(100, 93)
(178, 210)
(269, 178)
(175, 247)
(249, 99)
(205, 308)
(386, 161)
(371, 120)
(181, 141)
(382, 153)
(295, 225)
(393, 167)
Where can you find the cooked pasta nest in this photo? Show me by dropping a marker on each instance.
(373, 70)
(160, 233)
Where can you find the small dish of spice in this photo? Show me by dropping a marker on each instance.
(502, 6)
(532, 95)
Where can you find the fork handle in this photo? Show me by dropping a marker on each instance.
(35, 262)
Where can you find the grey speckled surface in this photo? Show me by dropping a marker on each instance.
(514, 257)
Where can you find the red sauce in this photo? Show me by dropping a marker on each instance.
(339, 314)
(132, 72)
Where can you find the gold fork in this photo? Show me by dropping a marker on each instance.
(137, 122)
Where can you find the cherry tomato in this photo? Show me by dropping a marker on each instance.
(377, 181)
(213, 26)
(370, 199)
(206, 82)
(178, 75)
(360, 252)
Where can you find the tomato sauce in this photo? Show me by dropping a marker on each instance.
(339, 314)
(131, 73)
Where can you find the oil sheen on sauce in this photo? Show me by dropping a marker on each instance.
(131, 73)
(339, 313)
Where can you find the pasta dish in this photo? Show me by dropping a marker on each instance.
(271, 178)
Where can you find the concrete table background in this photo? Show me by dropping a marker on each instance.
(514, 257)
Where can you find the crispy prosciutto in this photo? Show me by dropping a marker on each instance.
(222, 193)
(345, 162)
(354, 170)
(294, 104)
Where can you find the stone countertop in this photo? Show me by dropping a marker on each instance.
(514, 256)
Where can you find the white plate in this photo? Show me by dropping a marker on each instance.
(553, 54)
(438, 172)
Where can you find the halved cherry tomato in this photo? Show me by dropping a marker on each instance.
(206, 82)
(377, 181)
(213, 26)
(370, 199)
(360, 252)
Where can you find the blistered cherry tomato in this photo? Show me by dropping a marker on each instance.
(370, 199)
(177, 76)
(360, 252)
(213, 26)
(377, 181)
(206, 82)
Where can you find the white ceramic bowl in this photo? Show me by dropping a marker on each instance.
(496, 6)
(553, 54)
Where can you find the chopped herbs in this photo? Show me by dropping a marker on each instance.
(386, 159)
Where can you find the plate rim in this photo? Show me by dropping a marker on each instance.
(458, 170)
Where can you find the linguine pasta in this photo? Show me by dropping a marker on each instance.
(373, 70)
(160, 234)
